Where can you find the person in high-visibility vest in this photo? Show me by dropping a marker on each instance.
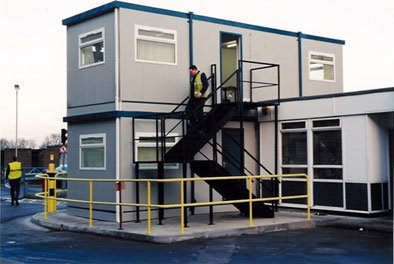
(198, 95)
(14, 173)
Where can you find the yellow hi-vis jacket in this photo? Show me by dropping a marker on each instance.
(198, 86)
(15, 170)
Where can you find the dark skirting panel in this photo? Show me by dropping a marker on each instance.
(356, 196)
(328, 194)
(294, 188)
(376, 196)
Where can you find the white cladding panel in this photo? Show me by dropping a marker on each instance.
(354, 149)
(378, 152)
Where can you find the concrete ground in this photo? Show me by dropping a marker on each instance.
(225, 224)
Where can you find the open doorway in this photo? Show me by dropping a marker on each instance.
(230, 53)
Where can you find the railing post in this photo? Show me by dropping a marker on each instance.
(182, 207)
(120, 205)
(90, 204)
(250, 202)
(46, 197)
(308, 208)
(137, 192)
(148, 221)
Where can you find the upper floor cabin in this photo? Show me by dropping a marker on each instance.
(128, 57)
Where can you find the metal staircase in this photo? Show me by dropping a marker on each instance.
(205, 133)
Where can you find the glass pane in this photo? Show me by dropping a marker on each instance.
(327, 173)
(327, 147)
(92, 54)
(322, 57)
(326, 123)
(293, 125)
(328, 72)
(295, 171)
(320, 71)
(155, 34)
(92, 37)
(155, 51)
(152, 139)
(149, 153)
(92, 157)
(92, 140)
(294, 150)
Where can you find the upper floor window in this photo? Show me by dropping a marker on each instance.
(155, 45)
(321, 67)
(91, 48)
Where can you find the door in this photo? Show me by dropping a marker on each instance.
(230, 53)
(231, 150)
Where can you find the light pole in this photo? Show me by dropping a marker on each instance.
(16, 120)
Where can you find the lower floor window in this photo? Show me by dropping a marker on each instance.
(92, 151)
(147, 153)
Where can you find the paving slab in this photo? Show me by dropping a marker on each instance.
(225, 225)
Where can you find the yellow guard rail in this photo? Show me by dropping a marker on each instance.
(182, 204)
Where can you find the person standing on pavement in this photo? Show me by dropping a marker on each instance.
(198, 95)
(14, 173)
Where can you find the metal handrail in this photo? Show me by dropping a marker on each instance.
(182, 204)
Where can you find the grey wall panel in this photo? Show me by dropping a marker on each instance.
(94, 84)
(311, 87)
(256, 46)
(148, 81)
(102, 191)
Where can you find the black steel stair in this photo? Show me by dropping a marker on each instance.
(192, 142)
(230, 189)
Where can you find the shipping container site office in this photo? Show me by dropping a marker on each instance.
(126, 60)
(139, 56)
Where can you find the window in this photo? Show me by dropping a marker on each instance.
(294, 159)
(155, 45)
(91, 48)
(321, 67)
(146, 150)
(92, 152)
(327, 149)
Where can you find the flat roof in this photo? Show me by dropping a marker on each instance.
(118, 4)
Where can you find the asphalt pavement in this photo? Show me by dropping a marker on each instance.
(24, 242)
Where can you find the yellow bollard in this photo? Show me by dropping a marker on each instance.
(45, 198)
(51, 186)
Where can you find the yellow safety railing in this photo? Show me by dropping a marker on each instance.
(182, 204)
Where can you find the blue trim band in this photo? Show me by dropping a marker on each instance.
(105, 115)
(118, 4)
(299, 39)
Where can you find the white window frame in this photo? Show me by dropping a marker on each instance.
(293, 130)
(153, 165)
(104, 144)
(137, 36)
(82, 45)
(323, 62)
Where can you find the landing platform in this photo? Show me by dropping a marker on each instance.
(225, 225)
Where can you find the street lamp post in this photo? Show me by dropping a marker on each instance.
(16, 120)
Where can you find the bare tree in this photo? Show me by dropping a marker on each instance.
(5, 143)
(51, 140)
(22, 143)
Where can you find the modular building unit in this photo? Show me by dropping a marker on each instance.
(126, 60)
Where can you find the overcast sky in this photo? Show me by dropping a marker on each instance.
(33, 46)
